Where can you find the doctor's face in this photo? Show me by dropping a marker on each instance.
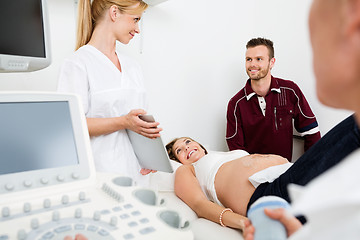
(334, 56)
(187, 151)
(127, 26)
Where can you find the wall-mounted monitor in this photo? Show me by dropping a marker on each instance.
(24, 36)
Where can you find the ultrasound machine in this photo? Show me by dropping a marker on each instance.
(49, 188)
(48, 185)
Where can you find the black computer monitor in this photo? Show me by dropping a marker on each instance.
(24, 36)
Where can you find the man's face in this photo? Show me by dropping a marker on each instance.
(257, 62)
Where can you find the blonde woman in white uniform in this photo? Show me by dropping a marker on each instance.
(109, 83)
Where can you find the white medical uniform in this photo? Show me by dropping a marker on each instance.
(106, 92)
(331, 203)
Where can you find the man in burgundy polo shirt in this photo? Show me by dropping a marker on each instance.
(260, 116)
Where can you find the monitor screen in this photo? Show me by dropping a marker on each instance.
(44, 141)
(36, 135)
(24, 36)
(24, 41)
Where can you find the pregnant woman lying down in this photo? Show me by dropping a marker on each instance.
(221, 186)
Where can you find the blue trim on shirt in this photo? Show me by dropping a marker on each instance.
(308, 127)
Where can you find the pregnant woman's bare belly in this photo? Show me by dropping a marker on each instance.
(232, 186)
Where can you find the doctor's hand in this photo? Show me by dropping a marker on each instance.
(145, 171)
(147, 129)
(290, 223)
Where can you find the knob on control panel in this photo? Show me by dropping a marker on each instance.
(82, 196)
(21, 235)
(9, 186)
(78, 213)
(96, 216)
(5, 212)
(27, 207)
(65, 199)
(56, 216)
(27, 183)
(47, 203)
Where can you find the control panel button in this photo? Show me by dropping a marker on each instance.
(136, 213)
(56, 216)
(47, 203)
(147, 230)
(34, 224)
(103, 233)
(78, 213)
(63, 229)
(113, 221)
(82, 196)
(79, 226)
(9, 187)
(124, 216)
(133, 224)
(144, 220)
(65, 199)
(5, 212)
(129, 236)
(128, 206)
(96, 216)
(92, 228)
(75, 176)
(44, 180)
(28, 183)
(21, 234)
(48, 235)
(116, 209)
(105, 212)
(60, 178)
(27, 207)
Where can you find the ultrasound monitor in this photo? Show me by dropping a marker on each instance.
(25, 37)
(43, 141)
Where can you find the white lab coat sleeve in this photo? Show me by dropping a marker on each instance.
(331, 203)
(73, 79)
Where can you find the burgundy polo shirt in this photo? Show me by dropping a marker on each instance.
(249, 129)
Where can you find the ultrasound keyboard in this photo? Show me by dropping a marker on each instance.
(112, 209)
(48, 185)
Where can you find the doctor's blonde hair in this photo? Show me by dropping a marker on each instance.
(90, 13)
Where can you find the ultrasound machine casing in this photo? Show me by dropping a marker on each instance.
(48, 185)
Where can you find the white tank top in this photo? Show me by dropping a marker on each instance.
(207, 167)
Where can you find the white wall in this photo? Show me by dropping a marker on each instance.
(192, 54)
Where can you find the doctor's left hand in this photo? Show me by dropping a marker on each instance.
(147, 129)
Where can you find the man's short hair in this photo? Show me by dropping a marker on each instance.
(262, 41)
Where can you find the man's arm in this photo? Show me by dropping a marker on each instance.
(305, 121)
